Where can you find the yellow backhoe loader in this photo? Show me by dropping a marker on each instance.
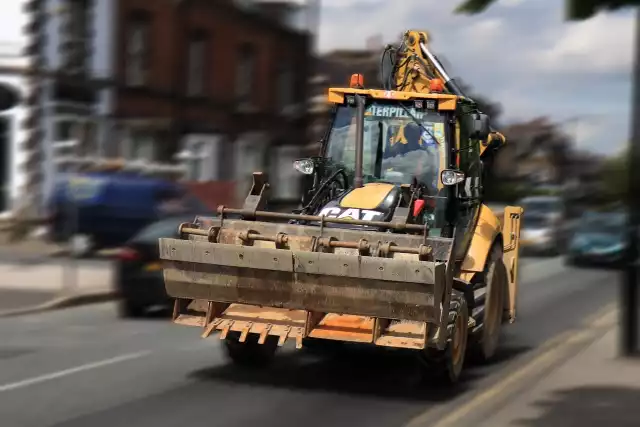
(392, 245)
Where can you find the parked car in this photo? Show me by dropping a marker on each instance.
(599, 239)
(539, 235)
(139, 277)
(554, 209)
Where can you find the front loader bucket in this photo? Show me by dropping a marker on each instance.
(296, 281)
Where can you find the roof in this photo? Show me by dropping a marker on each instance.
(445, 101)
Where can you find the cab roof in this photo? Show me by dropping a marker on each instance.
(445, 101)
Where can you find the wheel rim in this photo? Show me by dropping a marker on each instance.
(493, 319)
(492, 314)
(456, 341)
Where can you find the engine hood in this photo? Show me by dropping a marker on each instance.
(372, 202)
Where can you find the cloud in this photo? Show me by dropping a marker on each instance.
(602, 44)
(522, 54)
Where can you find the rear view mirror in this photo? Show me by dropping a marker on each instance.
(480, 126)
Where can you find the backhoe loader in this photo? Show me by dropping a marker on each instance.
(392, 245)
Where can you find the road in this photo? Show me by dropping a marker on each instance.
(85, 367)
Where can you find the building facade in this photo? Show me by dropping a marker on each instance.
(217, 89)
(217, 84)
(12, 135)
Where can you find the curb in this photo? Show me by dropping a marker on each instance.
(63, 302)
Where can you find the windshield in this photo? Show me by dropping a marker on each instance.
(396, 148)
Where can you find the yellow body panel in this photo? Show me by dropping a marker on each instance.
(511, 222)
(489, 225)
(484, 234)
(368, 197)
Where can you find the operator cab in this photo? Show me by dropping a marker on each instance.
(386, 149)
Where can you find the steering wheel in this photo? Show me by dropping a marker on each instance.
(328, 190)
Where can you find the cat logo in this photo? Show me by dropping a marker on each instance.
(351, 213)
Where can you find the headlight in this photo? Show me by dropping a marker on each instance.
(304, 166)
(450, 177)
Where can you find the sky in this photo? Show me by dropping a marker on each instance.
(520, 53)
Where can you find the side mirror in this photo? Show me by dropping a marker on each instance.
(480, 126)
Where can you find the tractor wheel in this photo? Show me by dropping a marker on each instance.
(487, 340)
(250, 354)
(446, 365)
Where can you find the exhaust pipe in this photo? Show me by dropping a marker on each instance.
(360, 103)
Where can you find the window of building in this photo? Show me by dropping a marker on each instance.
(76, 136)
(285, 85)
(75, 40)
(138, 49)
(142, 145)
(64, 130)
(196, 162)
(197, 61)
(246, 74)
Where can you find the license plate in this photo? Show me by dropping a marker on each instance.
(153, 266)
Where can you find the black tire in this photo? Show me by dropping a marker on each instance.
(129, 310)
(250, 354)
(445, 366)
(486, 341)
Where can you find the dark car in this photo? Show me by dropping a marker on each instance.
(139, 274)
(599, 239)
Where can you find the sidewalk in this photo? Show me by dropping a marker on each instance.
(53, 282)
(593, 388)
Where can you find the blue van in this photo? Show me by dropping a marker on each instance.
(110, 208)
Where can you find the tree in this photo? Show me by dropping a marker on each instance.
(575, 9)
(615, 177)
(580, 10)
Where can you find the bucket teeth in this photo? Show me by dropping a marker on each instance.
(264, 334)
(225, 330)
(211, 327)
(245, 332)
(284, 336)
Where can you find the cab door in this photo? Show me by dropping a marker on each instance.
(469, 191)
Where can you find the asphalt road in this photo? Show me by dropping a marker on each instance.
(85, 367)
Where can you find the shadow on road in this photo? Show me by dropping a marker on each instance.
(588, 406)
(361, 371)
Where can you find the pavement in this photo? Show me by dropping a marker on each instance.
(33, 279)
(86, 366)
(594, 387)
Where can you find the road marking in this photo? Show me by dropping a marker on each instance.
(71, 371)
(557, 346)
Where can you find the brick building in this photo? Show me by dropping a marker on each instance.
(221, 85)
(218, 86)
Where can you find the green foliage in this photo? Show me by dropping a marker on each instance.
(472, 7)
(615, 175)
(576, 10)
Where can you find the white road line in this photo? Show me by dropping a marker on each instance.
(71, 371)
